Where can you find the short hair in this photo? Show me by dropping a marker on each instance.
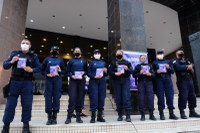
(25, 39)
(120, 51)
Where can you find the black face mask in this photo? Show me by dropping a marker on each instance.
(119, 56)
(54, 53)
(181, 55)
(77, 54)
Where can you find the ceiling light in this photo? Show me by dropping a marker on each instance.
(63, 27)
(91, 57)
(61, 41)
(30, 35)
(104, 48)
(72, 49)
(42, 46)
(44, 39)
(102, 57)
(112, 31)
(40, 51)
(26, 36)
(91, 46)
(31, 20)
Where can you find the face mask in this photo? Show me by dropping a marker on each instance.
(142, 61)
(160, 56)
(97, 56)
(181, 55)
(24, 47)
(54, 53)
(119, 56)
(77, 54)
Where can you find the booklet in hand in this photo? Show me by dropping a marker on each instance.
(120, 68)
(99, 72)
(54, 70)
(21, 63)
(145, 68)
(162, 68)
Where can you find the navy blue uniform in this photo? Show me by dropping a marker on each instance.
(97, 87)
(185, 84)
(53, 85)
(76, 86)
(164, 85)
(21, 84)
(121, 85)
(145, 88)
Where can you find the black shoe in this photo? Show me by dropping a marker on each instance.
(93, 116)
(162, 116)
(128, 117)
(26, 128)
(193, 113)
(100, 117)
(6, 128)
(172, 115)
(120, 116)
(151, 116)
(78, 118)
(73, 115)
(49, 116)
(68, 120)
(182, 114)
(142, 117)
(54, 118)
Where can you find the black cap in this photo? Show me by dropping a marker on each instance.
(96, 50)
(54, 48)
(180, 49)
(160, 51)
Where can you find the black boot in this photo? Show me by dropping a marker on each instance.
(172, 115)
(49, 117)
(100, 117)
(78, 118)
(54, 118)
(193, 113)
(26, 128)
(162, 116)
(120, 116)
(69, 117)
(182, 114)
(128, 116)
(93, 116)
(151, 116)
(142, 117)
(6, 128)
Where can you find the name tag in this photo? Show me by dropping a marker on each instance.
(120, 68)
(21, 62)
(99, 71)
(78, 74)
(53, 70)
(162, 68)
(145, 68)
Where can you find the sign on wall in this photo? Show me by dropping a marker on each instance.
(1, 6)
(133, 58)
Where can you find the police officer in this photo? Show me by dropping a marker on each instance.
(120, 70)
(144, 72)
(184, 70)
(164, 69)
(97, 86)
(24, 63)
(76, 69)
(52, 68)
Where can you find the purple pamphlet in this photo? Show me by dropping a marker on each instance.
(54, 70)
(99, 71)
(78, 74)
(120, 68)
(162, 68)
(145, 68)
(21, 63)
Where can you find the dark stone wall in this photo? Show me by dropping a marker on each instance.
(12, 26)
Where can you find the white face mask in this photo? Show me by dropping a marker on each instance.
(97, 56)
(24, 47)
(160, 56)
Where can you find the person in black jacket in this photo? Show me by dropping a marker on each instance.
(120, 70)
(144, 72)
(23, 63)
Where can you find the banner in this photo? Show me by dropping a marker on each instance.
(133, 58)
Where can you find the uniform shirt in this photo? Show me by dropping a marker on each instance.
(143, 76)
(94, 65)
(52, 61)
(76, 64)
(31, 60)
(114, 65)
(180, 67)
(164, 61)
